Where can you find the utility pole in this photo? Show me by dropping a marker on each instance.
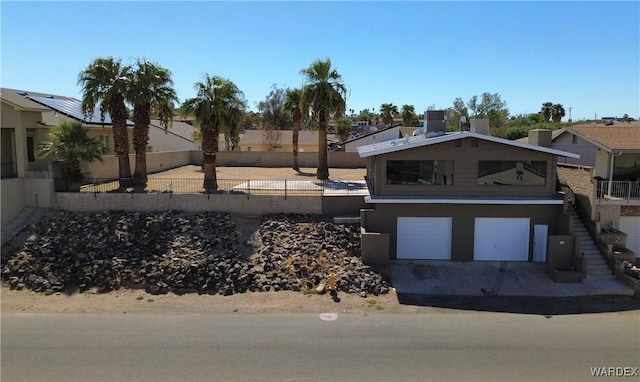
(569, 114)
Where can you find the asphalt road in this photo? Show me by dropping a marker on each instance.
(465, 346)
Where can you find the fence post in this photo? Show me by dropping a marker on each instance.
(628, 190)
(285, 189)
(248, 188)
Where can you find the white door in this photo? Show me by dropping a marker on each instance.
(631, 226)
(540, 233)
(424, 238)
(501, 239)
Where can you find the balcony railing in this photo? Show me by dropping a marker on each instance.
(619, 189)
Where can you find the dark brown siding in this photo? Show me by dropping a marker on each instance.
(385, 217)
(465, 174)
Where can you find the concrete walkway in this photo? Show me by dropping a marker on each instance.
(490, 278)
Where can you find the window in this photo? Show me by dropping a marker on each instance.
(574, 139)
(512, 173)
(428, 172)
(104, 139)
(31, 153)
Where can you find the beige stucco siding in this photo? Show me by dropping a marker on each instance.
(465, 171)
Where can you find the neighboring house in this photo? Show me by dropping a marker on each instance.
(351, 146)
(281, 140)
(178, 137)
(606, 177)
(460, 196)
(24, 180)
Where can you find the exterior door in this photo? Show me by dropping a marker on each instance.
(540, 233)
(501, 239)
(424, 238)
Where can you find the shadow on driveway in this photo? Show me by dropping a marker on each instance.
(546, 306)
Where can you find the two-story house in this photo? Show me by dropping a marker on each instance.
(460, 196)
(606, 177)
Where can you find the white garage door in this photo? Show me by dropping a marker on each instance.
(424, 238)
(631, 226)
(501, 239)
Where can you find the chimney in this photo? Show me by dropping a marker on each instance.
(540, 137)
(480, 126)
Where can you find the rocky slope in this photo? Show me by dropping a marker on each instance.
(182, 253)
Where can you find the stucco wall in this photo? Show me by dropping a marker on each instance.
(13, 195)
(156, 162)
(254, 205)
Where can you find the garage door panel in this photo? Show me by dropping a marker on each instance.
(631, 226)
(501, 239)
(427, 238)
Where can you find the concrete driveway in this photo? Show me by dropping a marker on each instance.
(489, 278)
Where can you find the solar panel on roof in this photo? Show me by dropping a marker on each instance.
(73, 108)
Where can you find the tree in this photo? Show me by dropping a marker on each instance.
(150, 90)
(366, 115)
(105, 82)
(625, 118)
(456, 112)
(69, 143)
(324, 92)
(217, 106)
(272, 110)
(557, 112)
(546, 110)
(388, 112)
(490, 107)
(293, 106)
(408, 115)
(343, 128)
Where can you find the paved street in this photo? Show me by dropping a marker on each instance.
(451, 345)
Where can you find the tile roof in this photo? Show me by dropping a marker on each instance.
(616, 137)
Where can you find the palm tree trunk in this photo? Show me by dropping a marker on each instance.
(140, 141)
(121, 144)
(210, 138)
(296, 133)
(323, 162)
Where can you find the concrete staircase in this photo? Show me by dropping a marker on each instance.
(597, 268)
(600, 280)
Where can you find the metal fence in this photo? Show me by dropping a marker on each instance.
(619, 189)
(225, 186)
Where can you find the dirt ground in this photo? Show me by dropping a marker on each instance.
(261, 173)
(132, 301)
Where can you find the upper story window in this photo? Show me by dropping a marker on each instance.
(430, 172)
(574, 139)
(512, 173)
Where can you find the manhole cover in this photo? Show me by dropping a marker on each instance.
(328, 316)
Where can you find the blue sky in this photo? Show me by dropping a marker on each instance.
(584, 55)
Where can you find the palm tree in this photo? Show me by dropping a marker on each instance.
(325, 93)
(150, 90)
(343, 128)
(217, 106)
(388, 111)
(557, 112)
(105, 82)
(69, 143)
(408, 115)
(292, 104)
(546, 111)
